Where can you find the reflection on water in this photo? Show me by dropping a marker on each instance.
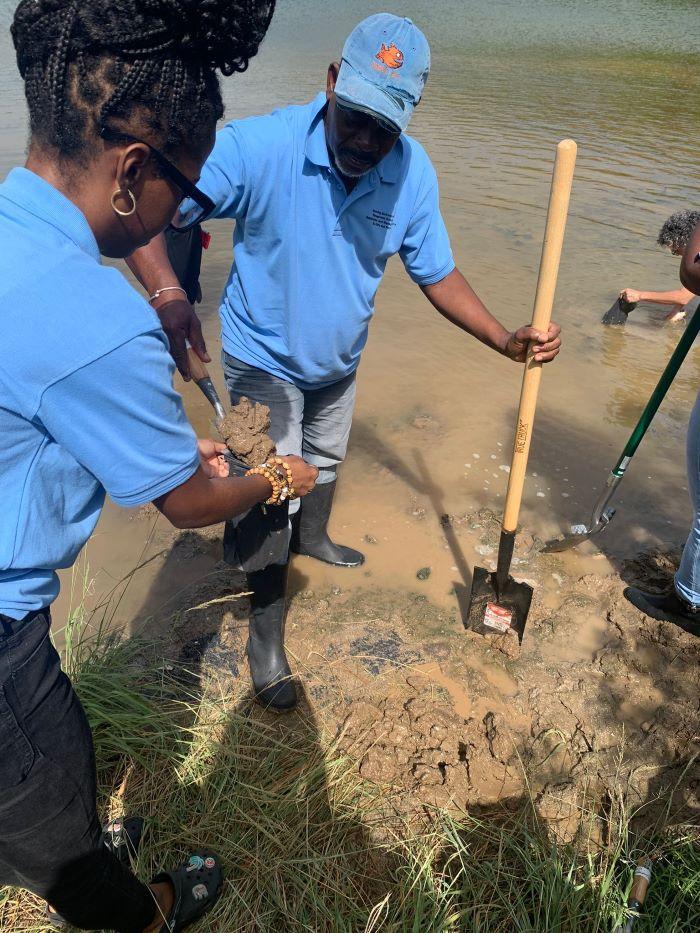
(509, 79)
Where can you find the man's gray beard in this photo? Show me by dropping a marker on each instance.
(350, 173)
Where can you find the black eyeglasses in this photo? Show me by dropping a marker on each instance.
(356, 118)
(203, 205)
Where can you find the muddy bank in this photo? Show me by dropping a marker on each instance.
(598, 698)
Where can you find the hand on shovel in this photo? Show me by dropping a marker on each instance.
(545, 345)
(631, 295)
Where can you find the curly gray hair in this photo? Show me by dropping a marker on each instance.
(677, 230)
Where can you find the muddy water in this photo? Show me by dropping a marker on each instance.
(435, 410)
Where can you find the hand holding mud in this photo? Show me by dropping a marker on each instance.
(279, 473)
(303, 475)
(212, 459)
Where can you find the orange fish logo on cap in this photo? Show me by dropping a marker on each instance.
(390, 56)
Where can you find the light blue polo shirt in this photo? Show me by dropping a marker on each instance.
(86, 397)
(308, 257)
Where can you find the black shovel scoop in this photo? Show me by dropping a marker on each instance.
(498, 603)
(617, 314)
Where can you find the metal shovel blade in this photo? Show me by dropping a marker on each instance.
(495, 609)
(617, 314)
(578, 534)
(212, 396)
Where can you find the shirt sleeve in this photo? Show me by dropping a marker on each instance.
(426, 251)
(123, 422)
(225, 177)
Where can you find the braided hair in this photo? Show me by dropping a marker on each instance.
(141, 64)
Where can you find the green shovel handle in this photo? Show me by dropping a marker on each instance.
(659, 393)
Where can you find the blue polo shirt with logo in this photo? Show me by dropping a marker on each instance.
(86, 397)
(308, 256)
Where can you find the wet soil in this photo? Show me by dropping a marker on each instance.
(244, 430)
(598, 699)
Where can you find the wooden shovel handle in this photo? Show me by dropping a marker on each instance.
(198, 369)
(560, 192)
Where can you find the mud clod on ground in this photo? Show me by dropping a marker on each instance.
(244, 430)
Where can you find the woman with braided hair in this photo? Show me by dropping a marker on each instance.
(123, 101)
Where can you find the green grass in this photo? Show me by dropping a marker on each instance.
(308, 847)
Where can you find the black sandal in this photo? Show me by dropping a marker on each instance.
(123, 838)
(197, 886)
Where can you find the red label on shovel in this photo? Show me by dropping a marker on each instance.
(497, 618)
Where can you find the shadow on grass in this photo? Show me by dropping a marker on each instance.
(294, 828)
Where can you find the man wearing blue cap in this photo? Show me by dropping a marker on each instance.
(322, 196)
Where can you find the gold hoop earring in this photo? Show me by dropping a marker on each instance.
(116, 209)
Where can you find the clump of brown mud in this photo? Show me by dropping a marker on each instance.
(244, 430)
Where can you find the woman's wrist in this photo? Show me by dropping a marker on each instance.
(261, 484)
(165, 293)
(279, 475)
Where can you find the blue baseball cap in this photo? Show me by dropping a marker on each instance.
(384, 67)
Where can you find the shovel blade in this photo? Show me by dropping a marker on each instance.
(617, 314)
(578, 534)
(492, 611)
(568, 541)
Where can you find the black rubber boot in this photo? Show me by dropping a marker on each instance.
(269, 668)
(665, 607)
(310, 530)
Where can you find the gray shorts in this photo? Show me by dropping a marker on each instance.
(313, 424)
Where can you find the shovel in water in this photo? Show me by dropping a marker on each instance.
(602, 512)
(617, 314)
(497, 602)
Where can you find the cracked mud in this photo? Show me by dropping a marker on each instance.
(598, 696)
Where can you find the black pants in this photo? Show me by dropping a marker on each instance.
(50, 836)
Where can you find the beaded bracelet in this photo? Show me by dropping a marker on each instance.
(271, 476)
(280, 480)
(278, 461)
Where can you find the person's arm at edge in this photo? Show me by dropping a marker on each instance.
(678, 296)
(151, 266)
(456, 301)
(690, 269)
